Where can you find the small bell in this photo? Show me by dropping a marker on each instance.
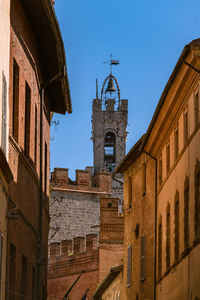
(110, 87)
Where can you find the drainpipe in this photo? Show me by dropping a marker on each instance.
(155, 229)
(41, 195)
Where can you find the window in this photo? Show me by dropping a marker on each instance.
(23, 277)
(129, 266)
(160, 170)
(176, 141)
(144, 180)
(109, 151)
(160, 248)
(4, 114)
(167, 158)
(1, 259)
(196, 110)
(27, 119)
(197, 200)
(15, 120)
(186, 213)
(185, 127)
(176, 227)
(168, 237)
(142, 257)
(12, 272)
(35, 159)
(130, 192)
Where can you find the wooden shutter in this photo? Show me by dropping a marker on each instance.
(1, 259)
(129, 266)
(4, 114)
(142, 257)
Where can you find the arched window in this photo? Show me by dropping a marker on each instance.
(168, 237)
(176, 226)
(110, 151)
(160, 247)
(186, 213)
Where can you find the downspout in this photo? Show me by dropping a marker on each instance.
(41, 194)
(155, 229)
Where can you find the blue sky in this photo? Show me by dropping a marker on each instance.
(146, 36)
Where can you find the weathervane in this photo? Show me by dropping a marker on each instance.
(112, 62)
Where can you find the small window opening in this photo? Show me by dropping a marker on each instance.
(110, 151)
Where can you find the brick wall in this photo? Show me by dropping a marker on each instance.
(66, 262)
(24, 189)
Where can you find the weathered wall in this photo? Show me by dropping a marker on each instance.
(74, 206)
(24, 189)
(66, 262)
(111, 236)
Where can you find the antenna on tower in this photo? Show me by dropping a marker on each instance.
(97, 97)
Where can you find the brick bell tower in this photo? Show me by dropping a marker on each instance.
(109, 122)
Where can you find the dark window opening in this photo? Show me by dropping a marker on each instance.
(35, 159)
(110, 151)
(176, 142)
(27, 119)
(24, 277)
(129, 266)
(15, 120)
(168, 237)
(196, 109)
(168, 158)
(176, 227)
(160, 248)
(186, 214)
(185, 127)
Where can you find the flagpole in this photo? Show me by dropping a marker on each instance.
(69, 290)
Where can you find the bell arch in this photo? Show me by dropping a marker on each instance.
(110, 150)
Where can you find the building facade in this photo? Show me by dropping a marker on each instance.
(5, 172)
(38, 86)
(166, 162)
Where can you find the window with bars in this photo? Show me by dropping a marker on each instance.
(1, 259)
(196, 110)
(142, 257)
(27, 119)
(160, 248)
(15, 119)
(4, 114)
(176, 226)
(168, 237)
(186, 213)
(129, 266)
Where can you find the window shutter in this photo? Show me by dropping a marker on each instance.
(4, 114)
(129, 266)
(1, 258)
(142, 257)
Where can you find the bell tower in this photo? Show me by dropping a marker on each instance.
(109, 122)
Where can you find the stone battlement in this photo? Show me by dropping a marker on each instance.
(73, 256)
(85, 180)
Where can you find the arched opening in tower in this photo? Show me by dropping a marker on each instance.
(110, 151)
